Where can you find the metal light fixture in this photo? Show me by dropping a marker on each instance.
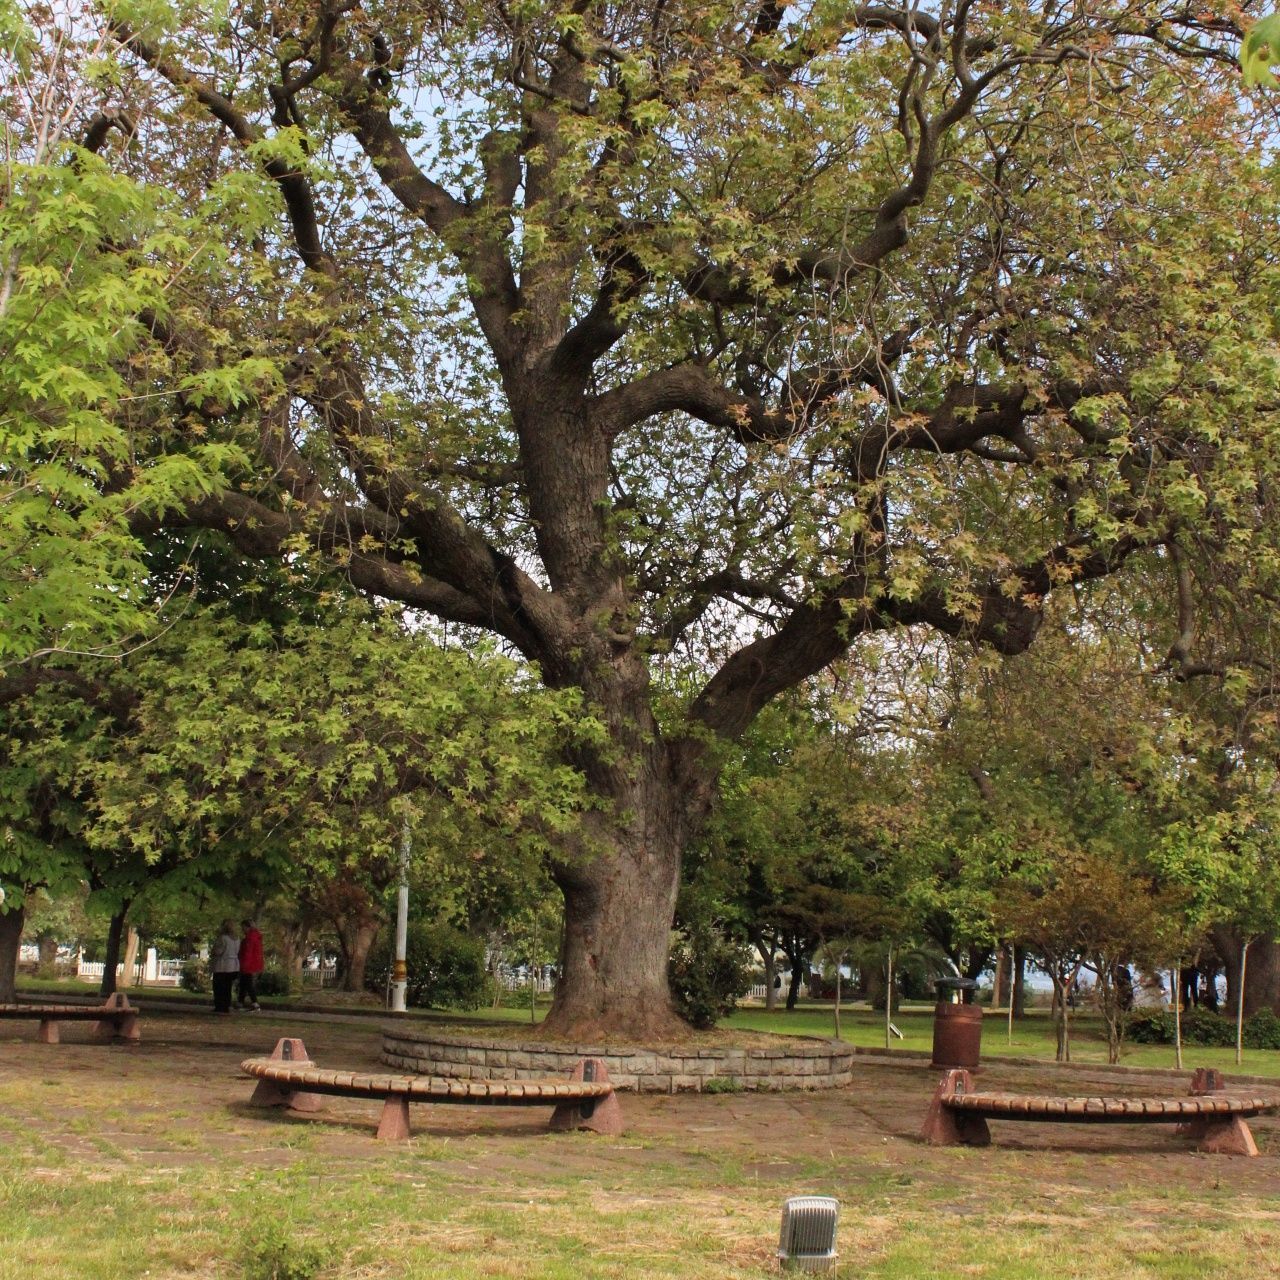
(807, 1241)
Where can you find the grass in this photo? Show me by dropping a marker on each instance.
(1032, 1036)
(144, 1161)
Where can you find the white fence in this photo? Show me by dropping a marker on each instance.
(324, 975)
(761, 992)
(518, 980)
(151, 971)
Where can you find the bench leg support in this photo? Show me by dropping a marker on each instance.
(946, 1127)
(121, 1019)
(48, 1033)
(1231, 1137)
(600, 1115)
(119, 1026)
(394, 1125)
(269, 1094)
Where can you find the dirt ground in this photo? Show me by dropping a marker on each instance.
(185, 1058)
(179, 1098)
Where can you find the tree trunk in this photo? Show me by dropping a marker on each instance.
(836, 1008)
(1244, 975)
(130, 961)
(48, 944)
(1175, 986)
(1059, 1020)
(768, 951)
(1262, 979)
(291, 947)
(793, 987)
(1020, 986)
(357, 945)
(111, 955)
(11, 923)
(617, 931)
(976, 961)
(1108, 997)
(1209, 967)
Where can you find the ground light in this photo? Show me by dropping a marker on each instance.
(807, 1241)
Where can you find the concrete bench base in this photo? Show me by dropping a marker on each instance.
(288, 1078)
(958, 1114)
(116, 1019)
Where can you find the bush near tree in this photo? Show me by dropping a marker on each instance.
(446, 967)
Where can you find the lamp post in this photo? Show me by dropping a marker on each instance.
(399, 969)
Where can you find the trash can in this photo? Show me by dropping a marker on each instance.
(957, 1025)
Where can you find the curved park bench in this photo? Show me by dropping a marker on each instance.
(115, 1018)
(958, 1113)
(288, 1078)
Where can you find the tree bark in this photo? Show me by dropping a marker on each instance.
(975, 962)
(291, 947)
(1262, 978)
(617, 932)
(11, 923)
(356, 947)
(130, 961)
(766, 947)
(793, 987)
(111, 955)
(1020, 986)
(1244, 975)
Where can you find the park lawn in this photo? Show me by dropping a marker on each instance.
(144, 1161)
(1032, 1036)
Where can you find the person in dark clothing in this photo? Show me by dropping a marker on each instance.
(251, 964)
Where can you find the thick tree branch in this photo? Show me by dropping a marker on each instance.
(1009, 613)
(469, 233)
(294, 185)
(363, 544)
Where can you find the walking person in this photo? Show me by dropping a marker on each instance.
(224, 964)
(251, 964)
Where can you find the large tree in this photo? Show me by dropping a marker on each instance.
(738, 330)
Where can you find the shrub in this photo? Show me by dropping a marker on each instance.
(1203, 1026)
(274, 1256)
(708, 972)
(446, 967)
(1199, 1026)
(194, 976)
(274, 982)
(1262, 1030)
(1149, 1026)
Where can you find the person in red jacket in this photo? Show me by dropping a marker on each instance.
(251, 964)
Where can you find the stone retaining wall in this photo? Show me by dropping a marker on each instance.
(797, 1062)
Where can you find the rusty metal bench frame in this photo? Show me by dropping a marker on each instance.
(288, 1078)
(958, 1114)
(116, 1019)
